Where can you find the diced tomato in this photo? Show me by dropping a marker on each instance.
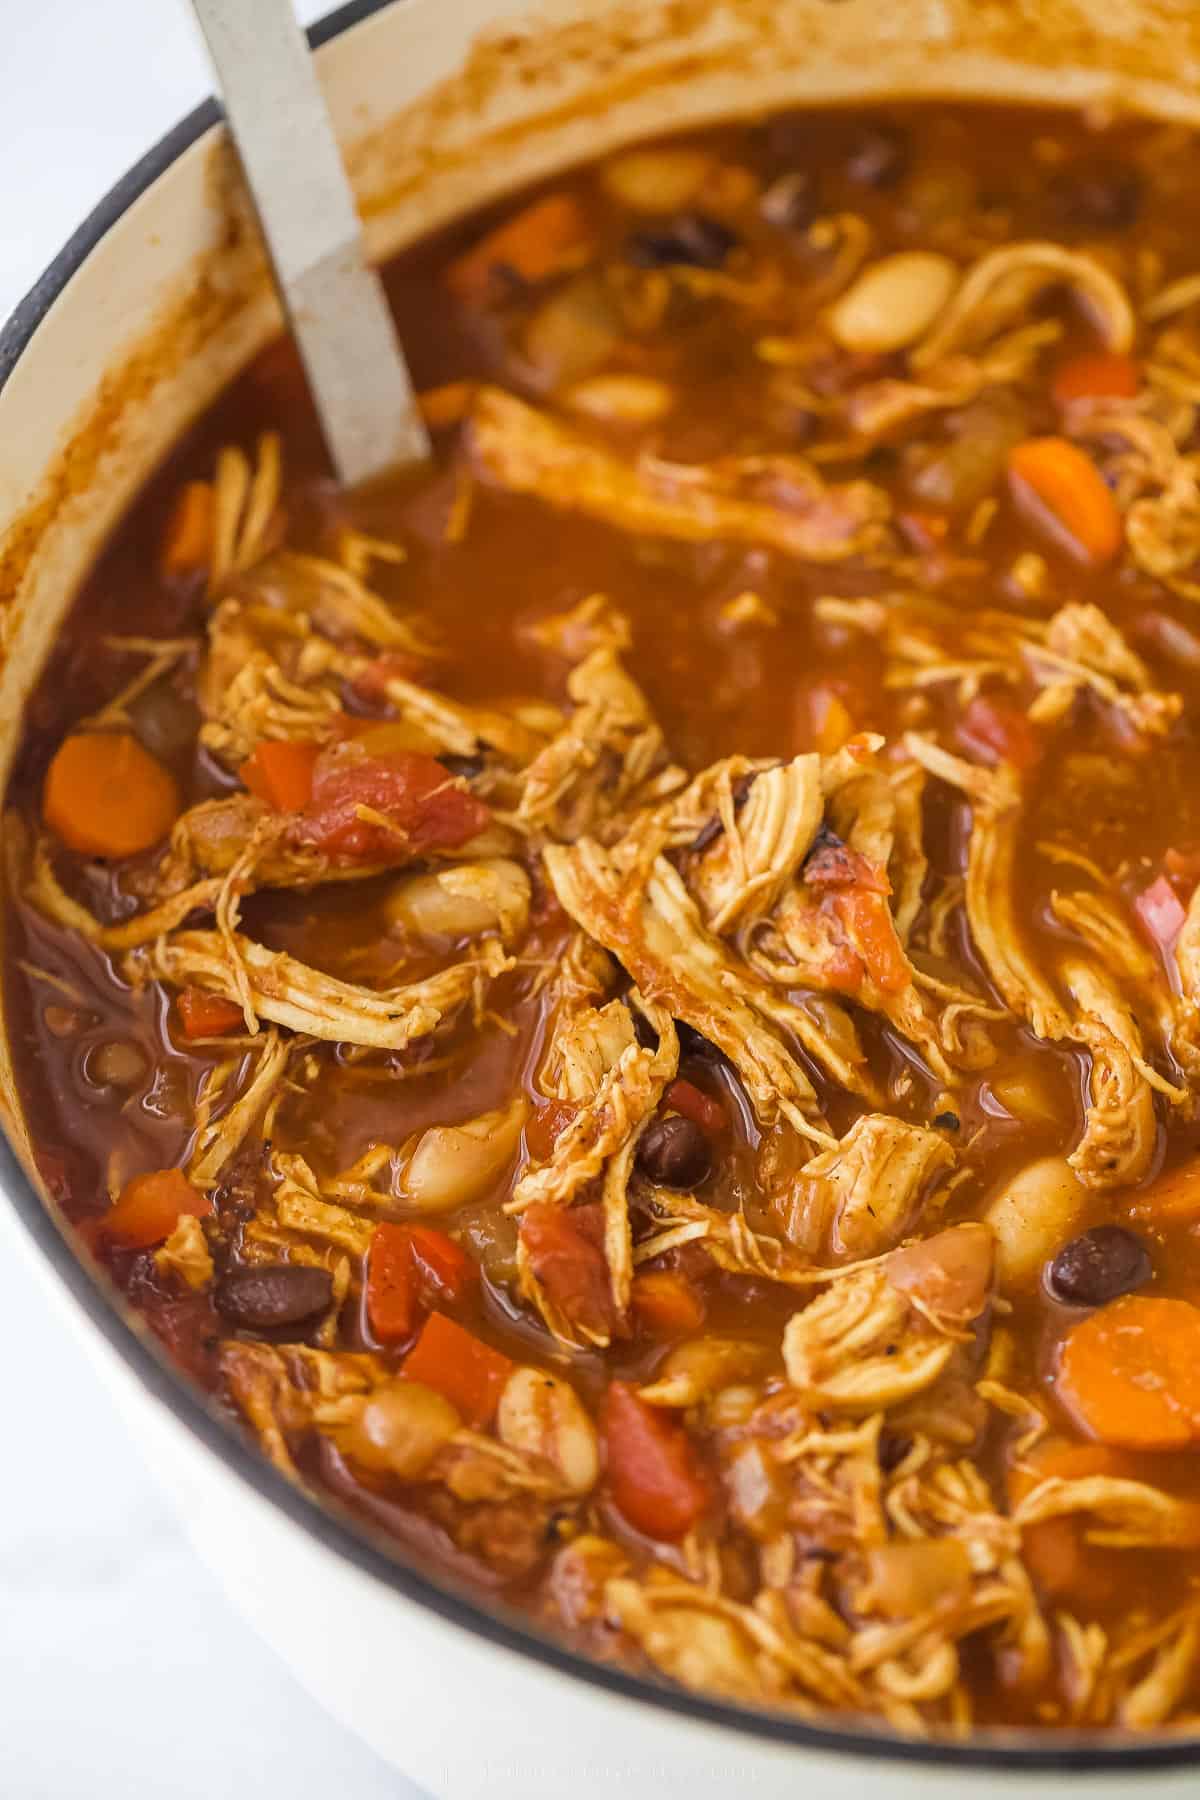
(410, 1268)
(666, 1304)
(546, 1126)
(444, 1269)
(691, 1102)
(565, 1247)
(1000, 733)
(392, 1285)
(653, 1471)
(205, 1015)
(843, 970)
(187, 541)
(281, 773)
(832, 864)
(467, 1371)
(150, 1207)
(868, 922)
(393, 665)
(412, 804)
(1096, 375)
(1161, 913)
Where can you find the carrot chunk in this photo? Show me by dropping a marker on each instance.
(1054, 1550)
(1174, 1195)
(187, 541)
(106, 796)
(281, 773)
(666, 1304)
(1130, 1374)
(550, 235)
(653, 1472)
(467, 1371)
(691, 1102)
(204, 1015)
(1062, 485)
(1096, 375)
(150, 1207)
(447, 405)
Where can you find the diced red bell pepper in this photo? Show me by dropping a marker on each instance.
(149, 1208)
(691, 1102)
(204, 1015)
(999, 733)
(565, 1247)
(1095, 375)
(1161, 913)
(281, 773)
(467, 1371)
(666, 1304)
(654, 1474)
(444, 1270)
(410, 802)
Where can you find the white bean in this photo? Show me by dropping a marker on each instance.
(539, 1415)
(621, 399)
(657, 181)
(1032, 1216)
(456, 1163)
(893, 302)
(400, 1428)
(462, 900)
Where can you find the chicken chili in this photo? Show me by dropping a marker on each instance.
(631, 1005)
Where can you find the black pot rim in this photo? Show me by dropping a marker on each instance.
(332, 1528)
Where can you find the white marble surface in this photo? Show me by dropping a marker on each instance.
(123, 1671)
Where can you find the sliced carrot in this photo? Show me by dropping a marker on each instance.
(1096, 375)
(187, 541)
(1130, 1373)
(1053, 1550)
(666, 1304)
(150, 1207)
(281, 773)
(691, 1102)
(550, 235)
(467, 1371)
(447, 405)
(204, 1015)
(546, 1126)
(1174, 1195)
(1063, 485)
(653, 1471)
(106, 796)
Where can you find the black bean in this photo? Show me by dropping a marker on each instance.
(1098, 1266)
(674, 1153)
(1098, 195)
(879, 156)
(792, 201)
(894, 1446)
(947, 1121)
(468, 767)
(271, 1296)
(691, 1043)
(690, 238)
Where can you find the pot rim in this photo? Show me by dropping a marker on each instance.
(330, 1525)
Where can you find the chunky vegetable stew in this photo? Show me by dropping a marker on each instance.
(631, 1006)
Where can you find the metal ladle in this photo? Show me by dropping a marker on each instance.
(333, 298)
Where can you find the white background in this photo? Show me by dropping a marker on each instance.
(123, 1673)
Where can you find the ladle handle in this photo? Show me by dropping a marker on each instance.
(332, 296)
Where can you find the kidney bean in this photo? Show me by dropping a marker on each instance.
(1098, 1266)
(674, 1153)
(274, 1295)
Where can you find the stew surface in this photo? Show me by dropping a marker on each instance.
(631, 1005)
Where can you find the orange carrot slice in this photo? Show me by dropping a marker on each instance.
(281, 773)
(549, 235)
(187, 541)
(205, 1015)
(666, 1304)
(1130, 1374)
(1060, 484)
(106, 796)
(150, 1207)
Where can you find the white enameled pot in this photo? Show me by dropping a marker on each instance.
(159, 299)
